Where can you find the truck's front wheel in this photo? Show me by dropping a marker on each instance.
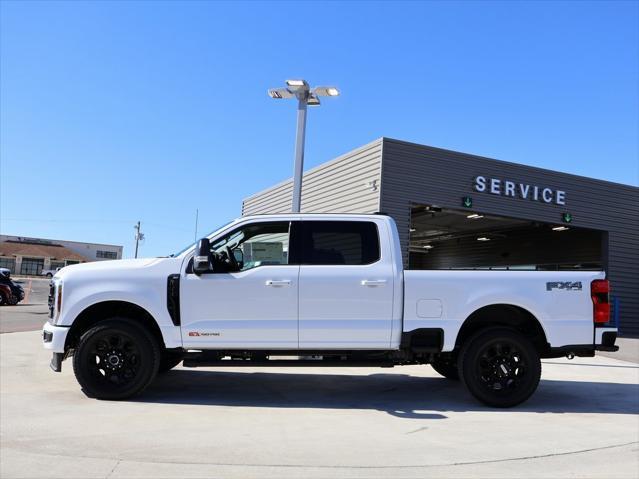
(116, 360)
(500, 367)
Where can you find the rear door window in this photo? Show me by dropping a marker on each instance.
(338, 242)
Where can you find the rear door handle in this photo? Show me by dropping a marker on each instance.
(370, 282)
(275, 283)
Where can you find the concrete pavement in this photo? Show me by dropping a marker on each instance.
(628, 350)
(316, 423)
(30, 314)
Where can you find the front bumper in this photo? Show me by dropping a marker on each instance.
(54, 339)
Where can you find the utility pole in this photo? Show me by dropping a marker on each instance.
(138, 236)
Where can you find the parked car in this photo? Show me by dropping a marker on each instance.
(49, 273)
(332, 292)
(10, 292)
(5, 295)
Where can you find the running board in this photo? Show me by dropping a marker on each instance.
(235, 363)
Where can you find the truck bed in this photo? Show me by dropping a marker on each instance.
(560, 300)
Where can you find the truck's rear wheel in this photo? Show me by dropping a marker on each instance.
(500, 367)
(446, 366)
(116, 360)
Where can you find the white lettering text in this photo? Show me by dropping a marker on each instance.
(495, 186)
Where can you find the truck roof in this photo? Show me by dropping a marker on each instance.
(314, 215)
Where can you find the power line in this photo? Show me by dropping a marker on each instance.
(48, 220)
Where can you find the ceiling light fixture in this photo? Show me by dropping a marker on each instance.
(483, 238)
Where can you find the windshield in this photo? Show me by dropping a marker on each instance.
(190, 245)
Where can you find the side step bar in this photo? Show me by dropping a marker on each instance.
(235, 363)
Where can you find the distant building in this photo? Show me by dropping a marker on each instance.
(23, 255)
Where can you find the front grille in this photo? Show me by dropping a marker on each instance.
(51, 301)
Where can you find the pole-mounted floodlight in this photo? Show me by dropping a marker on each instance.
(306, 96)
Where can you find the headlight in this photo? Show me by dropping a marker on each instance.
(57, 303)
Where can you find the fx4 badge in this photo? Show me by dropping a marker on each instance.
(564, 285)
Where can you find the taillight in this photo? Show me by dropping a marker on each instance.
(599, 292)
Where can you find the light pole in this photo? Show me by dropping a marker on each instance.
(306, 96)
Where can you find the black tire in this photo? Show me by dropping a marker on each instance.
(3, 300)
(500, 367)
(446, 365)
(49, 275)
(116, 359)
(169, 359)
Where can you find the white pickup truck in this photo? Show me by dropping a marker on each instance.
(318, 290)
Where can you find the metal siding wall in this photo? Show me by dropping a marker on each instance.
(426, 175)
(338, 186)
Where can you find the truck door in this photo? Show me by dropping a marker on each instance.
(346, 285)
(251, 306)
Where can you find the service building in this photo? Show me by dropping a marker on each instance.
(462, 211)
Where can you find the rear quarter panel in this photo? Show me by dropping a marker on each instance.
(564, 314)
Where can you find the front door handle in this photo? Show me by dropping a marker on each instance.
(282, 282)
(370, 282)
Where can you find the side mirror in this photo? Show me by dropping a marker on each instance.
(202, 259)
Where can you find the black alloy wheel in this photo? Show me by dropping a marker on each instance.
(500, 367)
(116, 359)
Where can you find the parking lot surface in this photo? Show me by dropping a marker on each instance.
(31, 313)
(315, 423)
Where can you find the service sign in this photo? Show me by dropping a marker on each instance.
(496, 186)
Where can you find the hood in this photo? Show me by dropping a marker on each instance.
(117, 268)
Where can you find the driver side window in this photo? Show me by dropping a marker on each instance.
(253, 245)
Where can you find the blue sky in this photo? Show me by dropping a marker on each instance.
(113, 112)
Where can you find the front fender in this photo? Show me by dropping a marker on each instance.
(148, 298)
